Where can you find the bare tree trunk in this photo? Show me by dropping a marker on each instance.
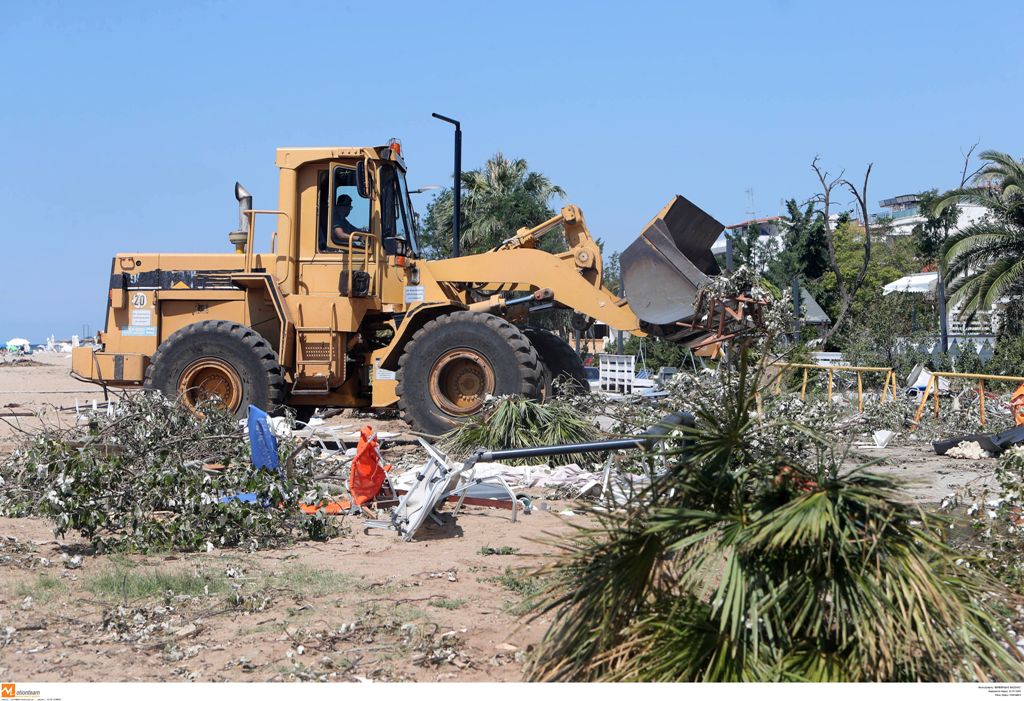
(828, 184)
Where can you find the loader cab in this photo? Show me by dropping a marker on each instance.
(355, 227)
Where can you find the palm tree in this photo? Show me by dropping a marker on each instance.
(985, 260)
(501, 196)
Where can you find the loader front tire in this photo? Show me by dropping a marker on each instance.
(561, 363)
(217, 361)
(451, 364)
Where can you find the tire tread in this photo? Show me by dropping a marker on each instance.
(252, 342)
(532, 374)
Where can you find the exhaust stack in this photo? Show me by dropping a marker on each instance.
(241, 236)
(244, 203)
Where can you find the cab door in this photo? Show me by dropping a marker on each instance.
(344, 260)
(336, 285)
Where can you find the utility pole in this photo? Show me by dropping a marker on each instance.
(619, 345)
(940, 292)
(797, 299)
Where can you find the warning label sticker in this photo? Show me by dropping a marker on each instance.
(138, 331)
(414, 293)
(141, 317)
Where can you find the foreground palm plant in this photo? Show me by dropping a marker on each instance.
(735, 566)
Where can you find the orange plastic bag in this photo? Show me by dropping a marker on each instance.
(368, 468)
(1017, 405)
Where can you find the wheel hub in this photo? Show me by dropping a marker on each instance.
(460, 380)
(210, 380)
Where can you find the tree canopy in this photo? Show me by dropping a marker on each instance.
(500, 197)
(985, 260)
(804, 252)
(930, 235)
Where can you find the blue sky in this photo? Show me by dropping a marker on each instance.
(126, 124)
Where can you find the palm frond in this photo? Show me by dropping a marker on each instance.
(1007, 170)
(518, 422)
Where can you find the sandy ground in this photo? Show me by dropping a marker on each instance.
(362, 606)
(930, 478)
(332, 610)
(42, 385)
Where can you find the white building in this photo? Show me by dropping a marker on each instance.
(904, 213)
(769, 229)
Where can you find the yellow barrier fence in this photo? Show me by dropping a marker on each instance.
(933, 390)
(889, 385)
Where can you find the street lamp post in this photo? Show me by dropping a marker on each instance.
(457, 186)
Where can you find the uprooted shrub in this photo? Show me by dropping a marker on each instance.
(517, 422)
(135, 480)
(761, 560)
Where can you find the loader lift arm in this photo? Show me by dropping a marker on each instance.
(531, 269)
(583, 251)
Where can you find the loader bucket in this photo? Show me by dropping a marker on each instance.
(663, 268)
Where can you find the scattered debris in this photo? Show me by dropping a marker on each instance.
(14, 553)
(883, 437)
(516, 422)
(968, 450)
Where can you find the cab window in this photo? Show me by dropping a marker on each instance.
(398, 229)
(341, 213)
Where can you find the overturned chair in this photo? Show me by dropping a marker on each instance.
(438, 479)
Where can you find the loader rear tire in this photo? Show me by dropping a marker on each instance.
(451, 364)
(217, 361)
(561, 363)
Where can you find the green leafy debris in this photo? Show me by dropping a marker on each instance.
(135, 481)
(517, 422)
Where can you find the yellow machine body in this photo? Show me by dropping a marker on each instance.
(338, 316)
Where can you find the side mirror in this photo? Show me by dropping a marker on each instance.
(362, 185)
(395, 246)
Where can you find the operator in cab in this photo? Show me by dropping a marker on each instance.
(343, 228)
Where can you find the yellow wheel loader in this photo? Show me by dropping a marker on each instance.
(337, 309)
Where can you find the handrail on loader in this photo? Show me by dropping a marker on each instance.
(366, 260)
(250, 254)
